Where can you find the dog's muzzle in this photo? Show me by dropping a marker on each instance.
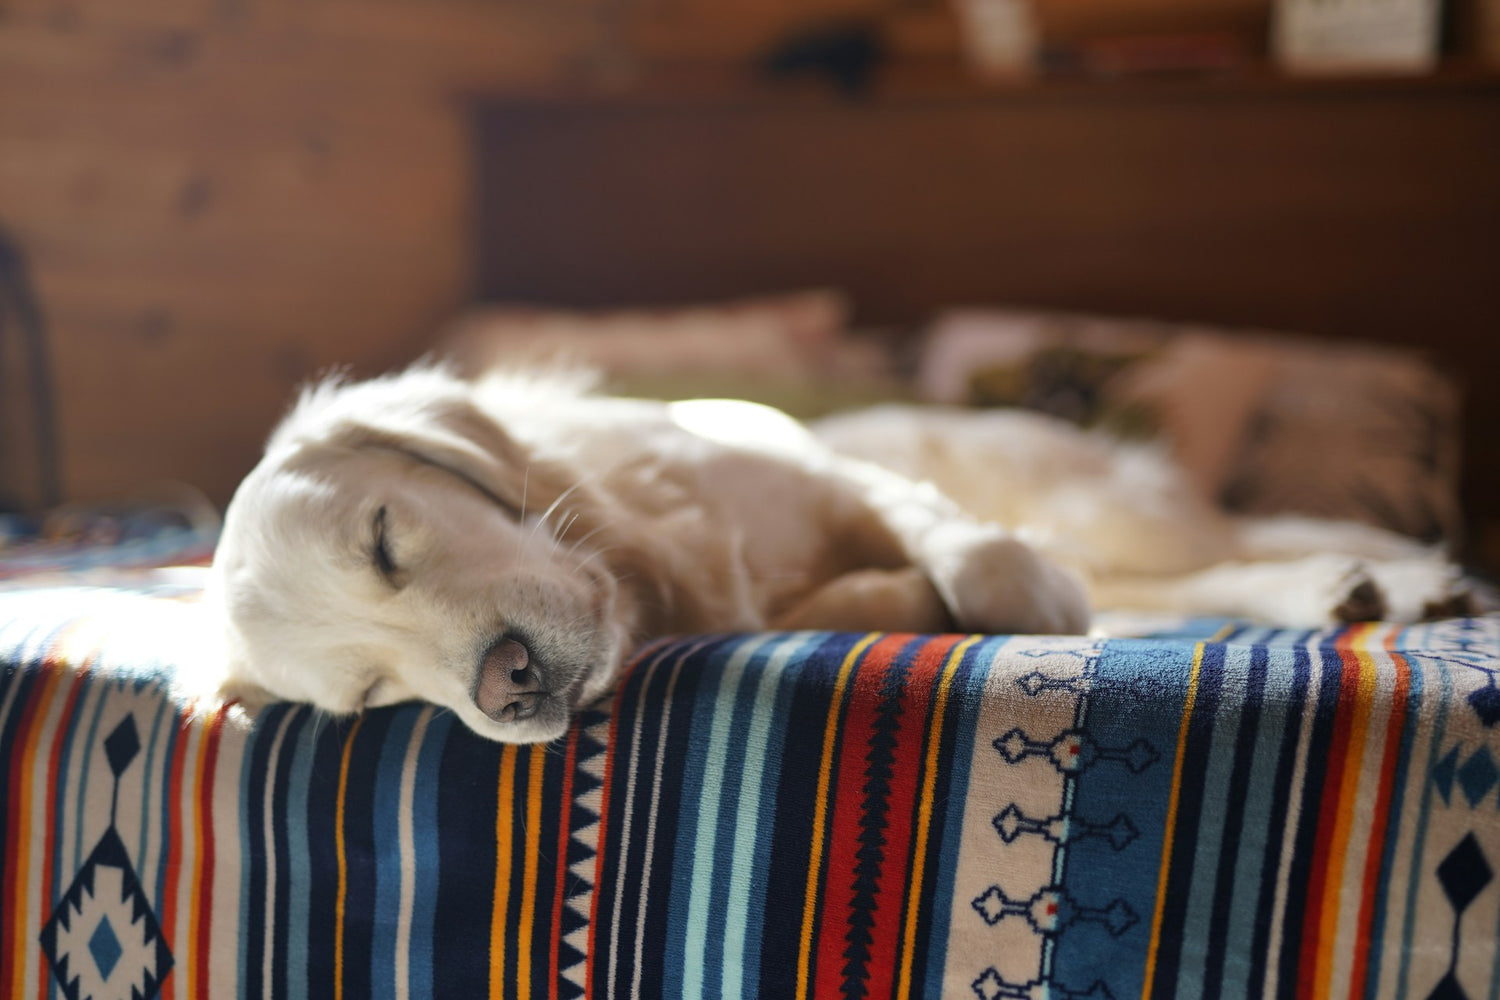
(509, 687)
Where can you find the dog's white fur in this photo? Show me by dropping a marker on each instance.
(398, 531)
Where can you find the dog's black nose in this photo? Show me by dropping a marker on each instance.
(509, 688)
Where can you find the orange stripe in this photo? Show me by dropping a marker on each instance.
(1361, 693)
(820, 813)
(206, 868)
(1394, 730)
(53, 784)
(1172, 805)
(924, 813)
(343, 862)
(503, 854)
(174, 840)
(533, 858)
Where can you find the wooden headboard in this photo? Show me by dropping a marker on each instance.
(1345, 209)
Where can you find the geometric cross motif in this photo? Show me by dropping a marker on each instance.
(1061, 829)
(103, 941)
(991, 986)
(1051, 911)
(1073, 752)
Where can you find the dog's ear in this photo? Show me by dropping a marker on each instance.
(431, 416)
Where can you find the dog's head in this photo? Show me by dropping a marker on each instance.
(396, 543)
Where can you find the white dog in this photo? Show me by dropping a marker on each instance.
(499, 547)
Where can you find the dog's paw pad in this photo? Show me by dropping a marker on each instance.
(1363, 601)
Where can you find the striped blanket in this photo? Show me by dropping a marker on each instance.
(1214, 811)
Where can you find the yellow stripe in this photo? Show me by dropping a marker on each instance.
(338, 840)
(820, 812)
(502, 870)
(1172, 803)
(1333, 884)
(533, 857)
(924, 813)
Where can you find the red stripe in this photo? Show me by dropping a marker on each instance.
(205, 864)
(570, 759)
(1393, 732)
(173, 838)
(1333, 779)
(50, 829)
(847, 794)
(39, 693)
(901, 807)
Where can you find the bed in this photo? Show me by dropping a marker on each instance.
(1193, 808)
(1183, 808)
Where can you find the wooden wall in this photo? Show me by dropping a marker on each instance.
(221, 197)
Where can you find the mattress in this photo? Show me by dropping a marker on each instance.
(1200, 809)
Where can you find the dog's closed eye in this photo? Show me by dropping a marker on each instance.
(380, 554)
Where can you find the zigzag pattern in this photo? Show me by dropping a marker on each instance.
(879, 761)
(583, 848)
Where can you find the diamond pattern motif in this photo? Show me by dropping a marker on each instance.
(1464, 873)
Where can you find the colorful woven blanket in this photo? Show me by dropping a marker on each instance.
(1217, 811)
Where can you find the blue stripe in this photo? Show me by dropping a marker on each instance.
(1214, 809)
(761, 769)
(1439, 722)
(1411, 716)
(428, 867)
(299, 856)
(89, 744)
(715, 715)
(386, 843)
(1264, 734)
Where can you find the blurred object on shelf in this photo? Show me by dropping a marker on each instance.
(1336, 36)
(999, 37)
(1132, 55)
(848, 55)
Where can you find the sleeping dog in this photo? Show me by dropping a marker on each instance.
(500, 546)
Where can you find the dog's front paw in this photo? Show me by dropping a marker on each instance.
(992, 582)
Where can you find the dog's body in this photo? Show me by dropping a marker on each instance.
(499, 547)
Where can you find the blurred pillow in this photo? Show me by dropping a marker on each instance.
(1264, 423)
(792, 351)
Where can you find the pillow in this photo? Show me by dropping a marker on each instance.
(1264, 423)
(792, 351)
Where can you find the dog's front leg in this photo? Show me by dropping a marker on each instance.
(990, 580)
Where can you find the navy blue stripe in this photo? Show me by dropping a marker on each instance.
(253, 824)
(361, 874)
(1234, 822)
(284, 887)
(1174, 927)
(322, 850)
(468, 810)
(796, 803)
(1305, 841)
(1276, 825)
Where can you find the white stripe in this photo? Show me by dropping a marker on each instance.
(632, 765)
(1293, 816)
(408, 840)
(270, 851)
(715, 760)
(666, 720)
(224, 815)
(747, 820)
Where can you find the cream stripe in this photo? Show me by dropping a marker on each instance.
(407, 840)
(1293, 817)
(224, 819)
(1377, 682)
